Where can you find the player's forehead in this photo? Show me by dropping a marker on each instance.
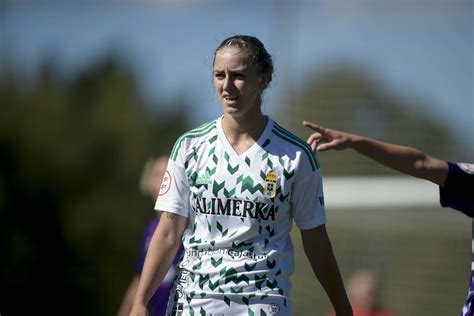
(232, 58)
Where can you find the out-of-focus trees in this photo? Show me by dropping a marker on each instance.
(347, 98)
(71, 153)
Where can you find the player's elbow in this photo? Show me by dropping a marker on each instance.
(421, 164)
(169, 240)
(432, 169)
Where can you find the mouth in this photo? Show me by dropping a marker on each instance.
(231, 100)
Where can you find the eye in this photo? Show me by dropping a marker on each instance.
(219, 75)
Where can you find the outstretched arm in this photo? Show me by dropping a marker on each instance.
(319, 251)
(162, 249)
(404, 159)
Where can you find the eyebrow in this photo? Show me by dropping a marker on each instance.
(243, 69)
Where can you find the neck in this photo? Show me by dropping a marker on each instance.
(242, 133)
(252, 124)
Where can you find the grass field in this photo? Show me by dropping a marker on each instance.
(423, 257)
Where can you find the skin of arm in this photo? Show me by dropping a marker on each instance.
(162, 249)
(404, 159)
(318, 249)
(126, 304)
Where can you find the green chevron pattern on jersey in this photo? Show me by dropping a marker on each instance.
(197, 132)
(237, 249)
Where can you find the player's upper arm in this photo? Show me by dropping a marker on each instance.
(172, 225)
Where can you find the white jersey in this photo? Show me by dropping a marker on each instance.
(238, 255)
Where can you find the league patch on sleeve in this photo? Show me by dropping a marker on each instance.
(165, 184)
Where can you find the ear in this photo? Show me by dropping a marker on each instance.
(264, 81)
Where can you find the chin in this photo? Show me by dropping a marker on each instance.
(230, 109)
(234, 112)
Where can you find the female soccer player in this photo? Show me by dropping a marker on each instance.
(232, 190)
(455, 180)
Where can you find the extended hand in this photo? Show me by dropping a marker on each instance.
(325, 139)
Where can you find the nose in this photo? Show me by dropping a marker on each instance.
(227, 83)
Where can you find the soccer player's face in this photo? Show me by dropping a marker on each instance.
(236, 82)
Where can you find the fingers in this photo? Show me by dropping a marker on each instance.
(322, 147)
(315, 137)
(313, 140)
(313, 126)
(334, 144)
(321, 139)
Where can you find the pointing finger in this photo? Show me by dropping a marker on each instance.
(313, 126)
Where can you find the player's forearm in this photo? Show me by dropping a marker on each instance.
(326, 269)
(127, 301)
(328, 274)
(319, 251)
(160, 254)
(404, 159)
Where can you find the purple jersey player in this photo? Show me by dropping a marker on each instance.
(455, 180)
(150, 186)
(458, 193)
(159, 301)
(458, 189)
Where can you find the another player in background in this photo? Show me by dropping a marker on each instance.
(455, 180)
(150, 183)
(364, 290)
(235, 186)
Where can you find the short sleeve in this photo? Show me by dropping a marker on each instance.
(174, 191)
(458, 192)
(308, 201)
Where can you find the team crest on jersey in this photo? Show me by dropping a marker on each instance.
(270, 185)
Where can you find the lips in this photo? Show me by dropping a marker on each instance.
(231, 100)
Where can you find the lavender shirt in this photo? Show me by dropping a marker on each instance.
(158, 302)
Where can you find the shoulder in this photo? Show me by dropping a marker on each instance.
(291, 143)
(457, 191)
(193, 137)
(460, 175)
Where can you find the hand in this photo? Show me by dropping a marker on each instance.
(325, 139)
(139, 310)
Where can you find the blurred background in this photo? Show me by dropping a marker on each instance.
(89, 90)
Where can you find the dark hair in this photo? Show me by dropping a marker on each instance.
(257, 53)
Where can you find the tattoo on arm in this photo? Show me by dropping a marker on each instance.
(170, 216)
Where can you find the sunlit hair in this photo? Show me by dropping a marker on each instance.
(257, 53)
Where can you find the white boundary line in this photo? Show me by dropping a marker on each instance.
(379, 191)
